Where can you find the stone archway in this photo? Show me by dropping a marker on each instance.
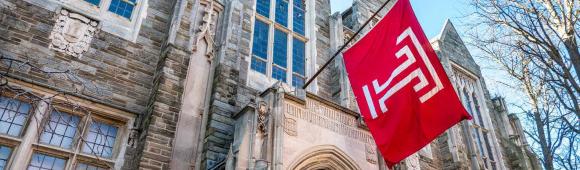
(324, 157)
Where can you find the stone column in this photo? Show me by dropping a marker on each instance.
(197, 85)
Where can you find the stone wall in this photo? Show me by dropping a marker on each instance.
(144, 77)
(229, 92)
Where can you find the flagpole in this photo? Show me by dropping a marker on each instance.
(344, 45)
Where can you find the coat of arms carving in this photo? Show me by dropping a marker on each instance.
(72, 33)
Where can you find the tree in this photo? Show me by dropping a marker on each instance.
(536, 43)
(66, 85)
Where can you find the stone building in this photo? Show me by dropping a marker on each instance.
(212, 84)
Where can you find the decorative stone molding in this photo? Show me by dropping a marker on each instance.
(262, 117)
(412, 162)
(290, 127)
(72, 33)
(371, 154)
(207, 27)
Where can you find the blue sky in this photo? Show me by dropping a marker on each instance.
(431, 13)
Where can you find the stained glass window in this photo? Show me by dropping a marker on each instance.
(13, 116)
(60, 130)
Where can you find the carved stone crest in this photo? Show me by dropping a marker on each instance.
(371, 154)
(72, 33)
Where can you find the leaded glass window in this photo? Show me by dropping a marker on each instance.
(282, 12)
(297, 81)
(100, 139)
(280, 48)
(46, 162)
(477, 110)
(123, 8)
(260, 47)
(13, 116)
(298, 63)
(279, 73)
(259, 65)
(279, 66)
(298, 17)
(94, 2)
(60, 130)
(263, 7)
(5, 153)
(83, 166)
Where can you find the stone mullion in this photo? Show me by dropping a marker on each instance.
(31, 135)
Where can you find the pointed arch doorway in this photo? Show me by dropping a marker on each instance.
(324, 157)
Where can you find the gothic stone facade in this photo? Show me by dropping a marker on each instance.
(211, 84)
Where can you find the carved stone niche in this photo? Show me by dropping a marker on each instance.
(72, 33)
(262, 117)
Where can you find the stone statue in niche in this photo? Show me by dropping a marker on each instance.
(72, 33)
(262, 117)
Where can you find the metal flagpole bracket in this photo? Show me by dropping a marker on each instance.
(344, 45)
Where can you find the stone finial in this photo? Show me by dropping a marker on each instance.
(72, 33)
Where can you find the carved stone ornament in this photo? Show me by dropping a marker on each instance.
(262, 117)
(207, 28)
(371, 154)
(412, 162)
(72, 33)
(290, 127)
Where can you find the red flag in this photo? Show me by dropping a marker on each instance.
(402, 91)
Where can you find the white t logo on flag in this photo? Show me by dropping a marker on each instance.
(417, 73)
